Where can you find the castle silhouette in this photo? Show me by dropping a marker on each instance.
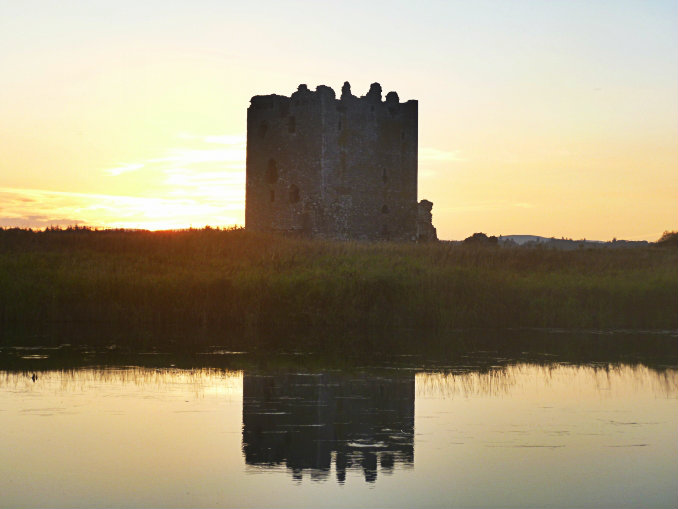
(335, 168)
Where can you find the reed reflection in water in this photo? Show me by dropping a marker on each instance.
(516, 434)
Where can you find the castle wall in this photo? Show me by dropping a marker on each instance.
(342, 168)
(283, 161)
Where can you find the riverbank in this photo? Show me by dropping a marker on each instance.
(242, 287)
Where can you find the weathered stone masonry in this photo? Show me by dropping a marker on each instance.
(337, 168)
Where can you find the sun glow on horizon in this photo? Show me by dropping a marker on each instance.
(188, 186)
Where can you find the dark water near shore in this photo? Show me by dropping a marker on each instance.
(91, 427)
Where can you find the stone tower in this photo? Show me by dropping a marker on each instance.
(336, 168)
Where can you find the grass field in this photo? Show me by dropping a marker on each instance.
(253, 288)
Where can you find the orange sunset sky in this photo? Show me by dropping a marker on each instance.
(555, 118)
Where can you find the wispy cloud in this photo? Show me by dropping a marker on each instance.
(187, 178)
(222, 139)
(486, 205)
(37, 221)
(230, 154)
(126, 168)
(186, 157)
(434, 154)
(426, 173)
(227, 139)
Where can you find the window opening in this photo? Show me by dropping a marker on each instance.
(272, 172)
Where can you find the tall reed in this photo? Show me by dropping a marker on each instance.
(264, 288)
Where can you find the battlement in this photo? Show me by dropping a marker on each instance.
(328, 167)
(304, 95)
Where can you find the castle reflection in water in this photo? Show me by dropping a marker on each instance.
(304, 421)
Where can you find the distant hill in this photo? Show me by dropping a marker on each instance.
(563, 243)
(522, 239)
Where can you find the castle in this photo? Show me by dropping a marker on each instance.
(335, 168)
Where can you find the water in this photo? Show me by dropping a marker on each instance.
(479, 430)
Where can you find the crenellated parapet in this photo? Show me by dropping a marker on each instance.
(303, 95)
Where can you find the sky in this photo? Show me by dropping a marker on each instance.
(554, 118)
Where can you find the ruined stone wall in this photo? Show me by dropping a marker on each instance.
(339, 168)
(426, 232)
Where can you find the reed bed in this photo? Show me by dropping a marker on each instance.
(267, 289)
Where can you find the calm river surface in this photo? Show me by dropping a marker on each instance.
(478, 431)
